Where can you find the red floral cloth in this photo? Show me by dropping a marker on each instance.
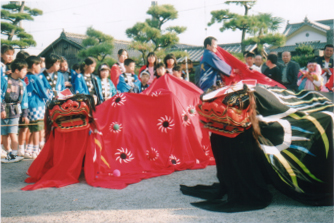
(61, 161)
(140, 135)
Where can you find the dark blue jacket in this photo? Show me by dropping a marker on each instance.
(211, 68)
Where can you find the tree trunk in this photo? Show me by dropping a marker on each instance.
(11, 35)
(244, 31)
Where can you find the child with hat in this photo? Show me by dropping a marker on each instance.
(144, 77)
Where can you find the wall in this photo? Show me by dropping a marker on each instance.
(300, 36)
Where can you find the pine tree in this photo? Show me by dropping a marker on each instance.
(11, 15)
(97, 45)
(265, 32)
(261, 27)
(234, 21)
(150, 35)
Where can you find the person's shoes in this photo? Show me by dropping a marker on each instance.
(20, 152)
(28, 154)
(3, 154)
(11, 158)
(35, 153)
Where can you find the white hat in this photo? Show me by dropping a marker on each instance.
(145, 72)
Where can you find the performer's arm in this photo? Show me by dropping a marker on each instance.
(220, 65)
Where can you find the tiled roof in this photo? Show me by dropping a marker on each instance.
(121, 44)
(77, 38)
(292, 48)
(195, 53)
(182, 46)
(328, 22)
(118, 44)
(322, 25)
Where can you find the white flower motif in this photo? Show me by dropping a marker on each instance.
(174, 160)
(206, 150)
(191, 110)
(118, 100)
(156, 93)
(165, 124)
(185, 119)
(124, 155)
(115, 127)
(152, 154)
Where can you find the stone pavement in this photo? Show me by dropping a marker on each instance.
(153, 200)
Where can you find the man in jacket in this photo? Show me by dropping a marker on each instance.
(290, 71)
(211, 65)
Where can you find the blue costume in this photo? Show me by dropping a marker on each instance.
(211, 67)
(141, 87)
(107, 91)
(14, 98)
(52, 84)
(37, 97)
(127, 83)
(87, 84)
(69, 76)
(3, 70)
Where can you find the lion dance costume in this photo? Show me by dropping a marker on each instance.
(74, 143)
(266, 134)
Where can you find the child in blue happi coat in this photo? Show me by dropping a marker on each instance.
(14, 104)
(106, 86)
(53, 80)
(67, 74)
(127, 81)
(86, 82)
(37, 97)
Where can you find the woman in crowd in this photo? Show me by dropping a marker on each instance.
(170, 62)
(118, 68)
(310, 79)
(151, 62)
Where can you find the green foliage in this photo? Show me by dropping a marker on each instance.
(108, 60)
(272, 39)
(248, 4)
(231, 20)
(265, 23)
(304, 54)
(262, 31)
(240, 56)
(260, 26)
(149, 36)
(11, 15)
(97, 45)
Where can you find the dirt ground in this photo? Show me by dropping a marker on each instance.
(152, 200)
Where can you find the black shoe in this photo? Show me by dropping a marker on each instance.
(11, 158)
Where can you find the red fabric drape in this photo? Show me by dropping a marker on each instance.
(244, 72)
(141, 135)
(330, 82)
(115, 71)
(157, 131)
(60, 162)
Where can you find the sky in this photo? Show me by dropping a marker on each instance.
(114, 17)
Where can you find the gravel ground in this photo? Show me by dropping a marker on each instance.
(153, 200)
